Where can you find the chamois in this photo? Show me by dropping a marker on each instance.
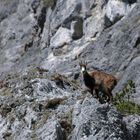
(98, 81)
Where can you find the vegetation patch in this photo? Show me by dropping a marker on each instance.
(122, 100)
(49, 3)
(53, 103)
(44, 116)
(5, 92)
(78, 29)
(66, 122)
(62, 81)
(35, 72)
(4, 110)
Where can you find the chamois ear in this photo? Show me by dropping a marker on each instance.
(80, 62)
(84, 63)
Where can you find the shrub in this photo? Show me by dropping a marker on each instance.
(122, 100)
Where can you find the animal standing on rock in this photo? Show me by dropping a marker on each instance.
(98, 81)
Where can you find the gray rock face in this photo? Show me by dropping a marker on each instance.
(51, 131)
(41, 38)
(133, 72)
(115, 42)
(16, 31)
(7, 8)
(67, 10)
(32, 113)
(116, 9)
(95, 121)
(62, 37)
(133, 126)
(28, 113)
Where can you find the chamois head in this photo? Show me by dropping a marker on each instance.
(83, 67)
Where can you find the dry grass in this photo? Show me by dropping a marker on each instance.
(53, 103)
(66, 122)
(62, 80)
(5, 110)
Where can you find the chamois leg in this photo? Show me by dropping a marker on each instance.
(97, 93)
(100, 99)
(109, 95)
(91, 91)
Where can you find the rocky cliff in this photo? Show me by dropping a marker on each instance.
(42, 95)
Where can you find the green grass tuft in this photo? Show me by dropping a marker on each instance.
(122, 100)
(128, 107)
(48, 3)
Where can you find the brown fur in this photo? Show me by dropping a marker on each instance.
(99, 81)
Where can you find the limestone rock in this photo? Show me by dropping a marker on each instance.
(116, 9)
(133, 126)
(94, 121)
(62, 37)
(38, 41)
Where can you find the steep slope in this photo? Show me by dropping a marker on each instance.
(42, 95)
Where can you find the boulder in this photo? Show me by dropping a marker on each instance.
(94, 121)
(133, 126)
(51, 131)
(116, 9)
(62, 37)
